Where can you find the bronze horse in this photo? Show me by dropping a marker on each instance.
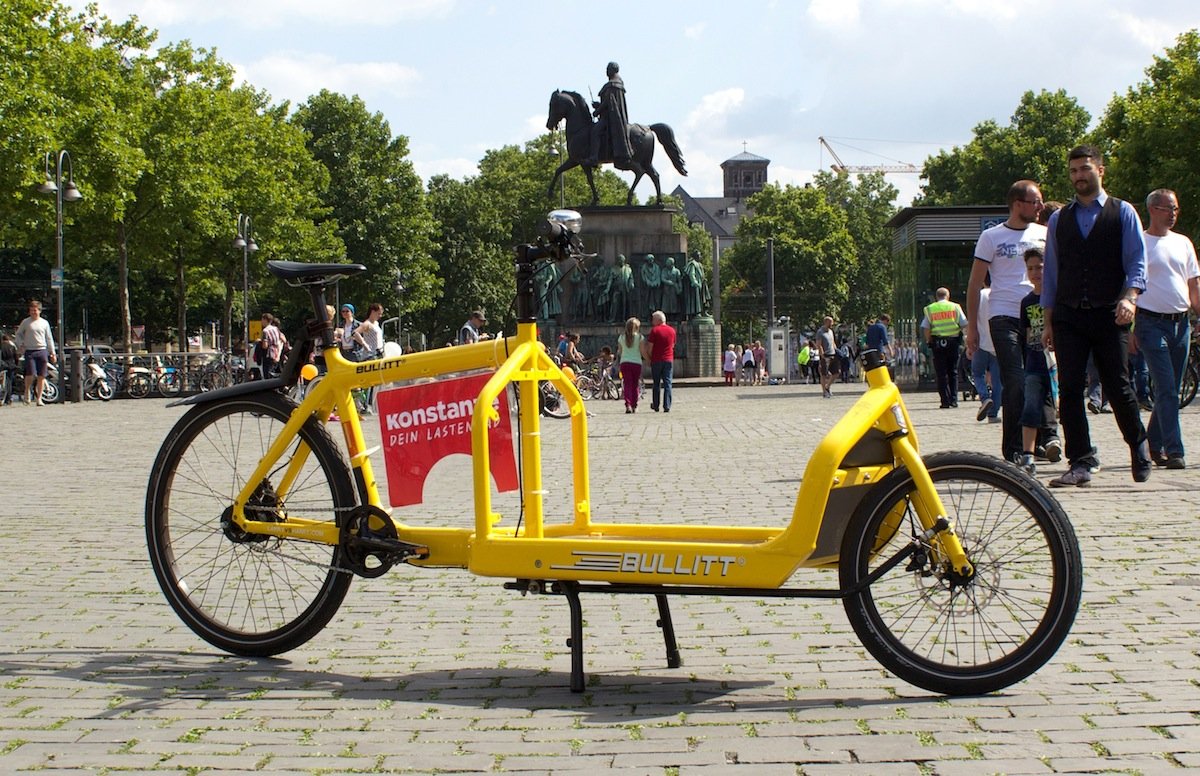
(571, 106)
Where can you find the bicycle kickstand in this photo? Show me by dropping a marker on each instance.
(668, 631)
(570, 591)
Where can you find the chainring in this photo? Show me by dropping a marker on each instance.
(369, 541)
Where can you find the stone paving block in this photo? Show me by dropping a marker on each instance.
(458, 664)
(1131, 764)
(857, 769)
(965, 767)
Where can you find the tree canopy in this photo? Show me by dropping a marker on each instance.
(1031, 146)
(814, 252)
(1150, 134)
(375, 202)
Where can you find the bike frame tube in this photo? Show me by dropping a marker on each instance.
(627, 553)
(333, 393)
(528, 366)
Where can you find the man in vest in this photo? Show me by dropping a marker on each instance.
(1095, 270)
(943, 326)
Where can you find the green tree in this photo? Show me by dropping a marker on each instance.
(815, 256)
(482, 217)
(1150, 134)
(1032, 145)
(376, 200)
(869, 204)
(474, 256)
(69, 81)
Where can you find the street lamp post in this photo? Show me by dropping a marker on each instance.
(62, 193)
(245, 241)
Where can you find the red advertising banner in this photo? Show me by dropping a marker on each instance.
(422, 424)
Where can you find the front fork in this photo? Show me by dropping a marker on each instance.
(939, 529)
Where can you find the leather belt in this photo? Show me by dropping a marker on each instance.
(1164, 316)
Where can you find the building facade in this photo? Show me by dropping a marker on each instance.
(934, 247)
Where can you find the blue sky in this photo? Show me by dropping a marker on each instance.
(885, 80)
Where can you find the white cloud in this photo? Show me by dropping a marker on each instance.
(1153, 34)
(536, 125)
(834, 13)
(783, 175)
(987, 11)
(296, 76)
(694, 31)
(714, 109)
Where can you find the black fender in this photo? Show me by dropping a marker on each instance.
(289, 374)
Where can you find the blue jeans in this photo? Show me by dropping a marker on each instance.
(1164, 345)
(660, 373)
(984, 364)
(1010, 354)
(1037, 393)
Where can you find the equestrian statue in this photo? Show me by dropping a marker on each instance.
(610, 139)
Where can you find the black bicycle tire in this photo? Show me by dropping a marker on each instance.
(138, 386)
(552, 402)
(169, 383)
(1027, 505)
(257, 577)
(1187, 386)
(586, 386)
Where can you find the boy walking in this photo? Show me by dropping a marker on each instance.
(1037, 370)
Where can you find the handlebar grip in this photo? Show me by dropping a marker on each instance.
(553, 231)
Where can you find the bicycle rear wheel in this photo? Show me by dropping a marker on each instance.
(1191, 380)
(243, 593)
(956, 636)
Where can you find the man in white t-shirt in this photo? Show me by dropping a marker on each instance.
(1161, 322)
(1001, 252)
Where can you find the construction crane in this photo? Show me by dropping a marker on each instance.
(838, 166)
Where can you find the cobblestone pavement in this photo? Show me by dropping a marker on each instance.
(438, 671)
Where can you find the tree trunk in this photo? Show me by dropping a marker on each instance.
(181, 294)
(123, 288)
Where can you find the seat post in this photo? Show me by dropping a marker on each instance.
(323, 324)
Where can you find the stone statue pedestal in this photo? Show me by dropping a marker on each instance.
(634, 232)
(631, 231)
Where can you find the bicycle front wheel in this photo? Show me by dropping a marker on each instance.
(587, 387)
(170, 383)
(964, 636)
(553, 403)
(138, 386)
(245, 593)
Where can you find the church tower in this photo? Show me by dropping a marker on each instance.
(745, 174)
